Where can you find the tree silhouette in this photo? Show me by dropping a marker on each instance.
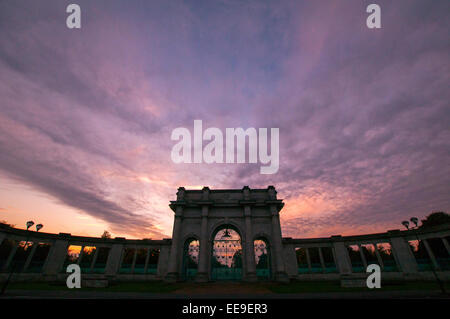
(191, 262)
(301, 256)
(435, 219)
(435, 244)
(263, 262)
(106, 234)
(217, 263)
(4, 222)
(237, 259)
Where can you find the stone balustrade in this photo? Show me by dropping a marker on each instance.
(398, 254)
(44, 256)
(401, 255)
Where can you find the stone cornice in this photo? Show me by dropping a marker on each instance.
(441, 229)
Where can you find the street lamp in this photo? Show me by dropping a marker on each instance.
(28, 224)
(414, 229)
(406, 224)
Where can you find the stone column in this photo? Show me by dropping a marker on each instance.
(280, 273)
(2, 236)
(403, 255)
(444, 240)
(431, 254)
(202, 274)
(30, 256)
(147, 258)
(291, 260)
(377, 253)
(11, 255)
(322, 262)
(172, 274)
(80, 256)
(308, 259)
(363, 258)
(114, 258)
(94, 260)
(250, 274)
(133, 263)
(334, 258)
(163, 260)
(342, 258)
(56, 257)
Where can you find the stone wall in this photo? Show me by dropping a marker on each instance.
(392, 251)
(254, 214)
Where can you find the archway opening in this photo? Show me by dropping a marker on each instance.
(226, 255)
(262, 259)
(190, 258)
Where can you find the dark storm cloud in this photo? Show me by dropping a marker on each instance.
(374, 121)
(86, 114)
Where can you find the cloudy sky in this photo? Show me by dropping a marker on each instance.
(86, 115)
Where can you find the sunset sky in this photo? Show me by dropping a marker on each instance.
(86, 115)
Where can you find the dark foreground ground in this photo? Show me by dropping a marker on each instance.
(161, 290)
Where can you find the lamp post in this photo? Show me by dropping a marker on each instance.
(29, 224)
(414, 229)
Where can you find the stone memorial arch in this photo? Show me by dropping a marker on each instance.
(215, 231)
(226, 235)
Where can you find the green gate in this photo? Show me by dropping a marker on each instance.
(262, 259)
(226, 256)
(190, 259)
